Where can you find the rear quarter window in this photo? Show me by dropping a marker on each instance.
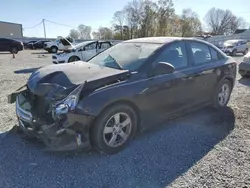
(214, 54)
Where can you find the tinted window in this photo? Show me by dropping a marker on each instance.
(201, 53)
(105, 45)
(243, 42)
(214, 54)
(174, 54)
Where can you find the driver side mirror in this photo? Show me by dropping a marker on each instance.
(162, 68)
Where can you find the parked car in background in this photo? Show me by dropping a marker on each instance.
(25, 44)
(123, 90)
(37, 45)
(59, 44)
(82, 51)
(244, 66)
(10, 45)
(235, 46)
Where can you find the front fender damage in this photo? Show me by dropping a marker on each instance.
(72, 134)
(64, 133)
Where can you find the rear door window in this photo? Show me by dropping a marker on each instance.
(201, 53)
(214, 54)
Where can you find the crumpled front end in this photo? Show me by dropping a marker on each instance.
(56, 123)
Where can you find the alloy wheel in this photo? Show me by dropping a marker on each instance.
(117, 129)
(224, 94)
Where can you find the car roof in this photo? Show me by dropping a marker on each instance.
(159, 40)
(162, 40)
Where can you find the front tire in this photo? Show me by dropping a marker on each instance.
(73, 58)
(53, 49)
(234, 52)
(222, 94)
(113, 128)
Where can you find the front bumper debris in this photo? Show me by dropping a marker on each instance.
(70, 134)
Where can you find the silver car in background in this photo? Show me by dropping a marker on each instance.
(244, 67)
(235, 46)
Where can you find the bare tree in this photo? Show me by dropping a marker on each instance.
(119, 18)
(190, 23)
(132, 16)
(96, 35)
(165, 14)
(84, 31)
(236, 23)
(105, 33)
(221, 21)
(73, 33)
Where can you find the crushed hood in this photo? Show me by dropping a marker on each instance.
(57, 81)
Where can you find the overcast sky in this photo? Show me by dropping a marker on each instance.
(95, 13)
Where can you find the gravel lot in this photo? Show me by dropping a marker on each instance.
(202, 149)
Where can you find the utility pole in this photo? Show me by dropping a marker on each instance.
(44, 29)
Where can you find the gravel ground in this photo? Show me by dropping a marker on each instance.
(202, 149)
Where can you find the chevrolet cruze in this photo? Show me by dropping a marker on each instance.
(107, 101)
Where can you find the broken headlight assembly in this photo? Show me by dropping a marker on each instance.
(67, 104)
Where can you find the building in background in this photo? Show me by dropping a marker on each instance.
(10, 30)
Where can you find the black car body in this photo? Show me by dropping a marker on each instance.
(25, 44)
(37, 44)
(65, 105)
(10, 45)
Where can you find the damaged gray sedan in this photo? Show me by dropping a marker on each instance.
(127, 88)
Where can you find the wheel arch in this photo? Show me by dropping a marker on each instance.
(72, 57)
(130, 104)
(230, 79)
(53, 47)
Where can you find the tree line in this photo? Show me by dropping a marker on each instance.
(144, 18)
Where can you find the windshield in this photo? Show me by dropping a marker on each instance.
(127, 56)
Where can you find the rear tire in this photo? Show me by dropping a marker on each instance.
(222, 94)
(13, 50)
(73, 58)
(113, 128)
